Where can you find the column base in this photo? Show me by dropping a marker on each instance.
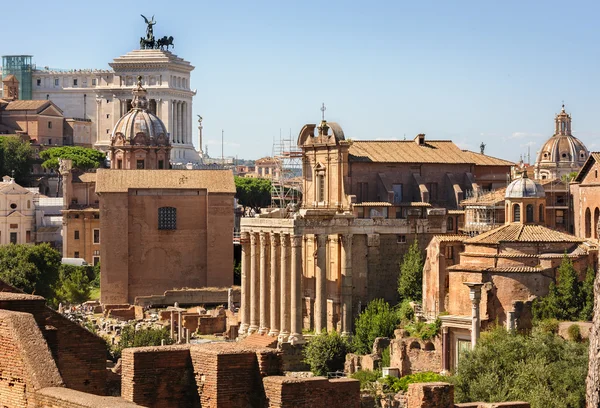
(263, 330)
(346, 334)
(283, 336)
(252, 329)
(273, 333)
(296, 338)
(243, 328)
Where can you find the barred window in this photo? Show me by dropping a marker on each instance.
(167, 218)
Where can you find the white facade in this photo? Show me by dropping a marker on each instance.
(17, 213)
(103, 96)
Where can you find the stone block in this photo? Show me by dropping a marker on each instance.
(430, 395)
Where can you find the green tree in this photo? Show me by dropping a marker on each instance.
(130, 337)
(31, 268)
(74, 284)
(377, 320)
(253, 192)
(542, 369)
(83, 158)
(15, 158)
(410, 281)
(587, 294)
(326, 352)
(565, 300)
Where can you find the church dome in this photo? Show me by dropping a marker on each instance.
(524, 187)
(140, 121)
(563, 153)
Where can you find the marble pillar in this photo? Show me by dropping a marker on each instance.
(246, 279)
(254, 284)
(475, 296)
(445, 349)
(275, 282)
(284, 301)
(264, 284)
(321, 283)
(296, 290)
(346, 289)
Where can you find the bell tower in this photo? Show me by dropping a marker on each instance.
(10, 88)
(562, 123)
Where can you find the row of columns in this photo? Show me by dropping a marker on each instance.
(180, 122)
(272, 284)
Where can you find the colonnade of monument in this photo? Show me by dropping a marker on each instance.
(272, 293)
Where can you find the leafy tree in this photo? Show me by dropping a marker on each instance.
(83, 158)
(253, 192)
(74, 284)
(31, 268)
(542, 369)
(410, 281)
(377, 320)
(326, 352)
(130, 337)
(565, 299)
(587, 294)
(15, 156)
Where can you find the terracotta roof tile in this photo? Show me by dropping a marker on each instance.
(489, 198)
(26, 105)
(484, 160)
(451, 237)
(522, 233)
(120, 181)
(373, 204)
(512, 269)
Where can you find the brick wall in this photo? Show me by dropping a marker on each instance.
(159, 377)
(211, 325)
(65, 398)
(283, 392)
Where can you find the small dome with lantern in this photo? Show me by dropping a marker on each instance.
(525, 201)
(524, 187)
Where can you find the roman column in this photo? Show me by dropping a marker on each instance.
(254, 290)
(274, 320)
(296, 290)
(321, 284)
(264, 284)
(445, 349)
(346, 269)
(246, 279)
(475, 296)
(284, 301)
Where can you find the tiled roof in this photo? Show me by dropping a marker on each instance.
(594, 157)
(120, 181)
(489, 198)
(512, 269)
(408, 151)
(456, 212)
(451, 237)
(516, 232)
(26, 105)
(387, 204)
(373, 204)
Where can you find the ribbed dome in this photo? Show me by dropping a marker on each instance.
(563, 149)
(524, 187)
(140, 120)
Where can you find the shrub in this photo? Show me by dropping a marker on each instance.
(396, 385)
(366, 377)
(377, 320)
(542, 369)
(406, 313)
(424, 331)
(410, 280)
(326, 352)
(547, 325)
(385, 357)
(574, 333)
(130, 337)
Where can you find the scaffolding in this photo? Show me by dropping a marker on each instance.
(21, 66)
(286, 184)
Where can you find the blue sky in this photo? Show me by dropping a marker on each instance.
(470, 71)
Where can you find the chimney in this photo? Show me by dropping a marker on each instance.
(420, 139)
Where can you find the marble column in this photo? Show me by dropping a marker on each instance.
(254, 282)
(284, 299)
(274, 295)
(346, 269)
(183, 121)
(246, 279)
(445, 349)
(296, 290)
(170, 120)
(321, 284)
(264, 284)
(475, 296)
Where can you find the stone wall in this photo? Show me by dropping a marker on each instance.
(189, 297)
(441, 395)
(159, 377)
(65, 398)
(412, 355)
(283, 392)
(211, 324)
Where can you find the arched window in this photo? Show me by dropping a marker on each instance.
(595, 224)
(588, 223)
(167, 218)
(450, 226)
(529, 212)
(541, 216)
(28, 204)
(516, 213)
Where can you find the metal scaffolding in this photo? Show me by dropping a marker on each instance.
(287, 187)
(21, 66)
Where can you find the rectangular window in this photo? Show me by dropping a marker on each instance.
(75, 82)
(28, 236)
(107, 115)
(320, 188)
(38, 82)
(96, 236)
(49, 141)
(401, 239)
(56, 82)
(161, 164)
(119, 164)
(397, 188)
(14, 226)
(13, 237)
(93, 81)
(76, 254)
(167, 218)
(140, 164)
(49, 125)
(76, 234)
(96, 260)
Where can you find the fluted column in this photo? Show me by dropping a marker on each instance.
(246, 279)
(274, 320)
(321, 284)
(296, 290)
(346, 268)
(178, 121)
(254, 282)
(170, 120)
(264, 284)
(284, 289)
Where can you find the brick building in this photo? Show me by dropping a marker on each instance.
(585, 192)
(364, 202)
(506, 266)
